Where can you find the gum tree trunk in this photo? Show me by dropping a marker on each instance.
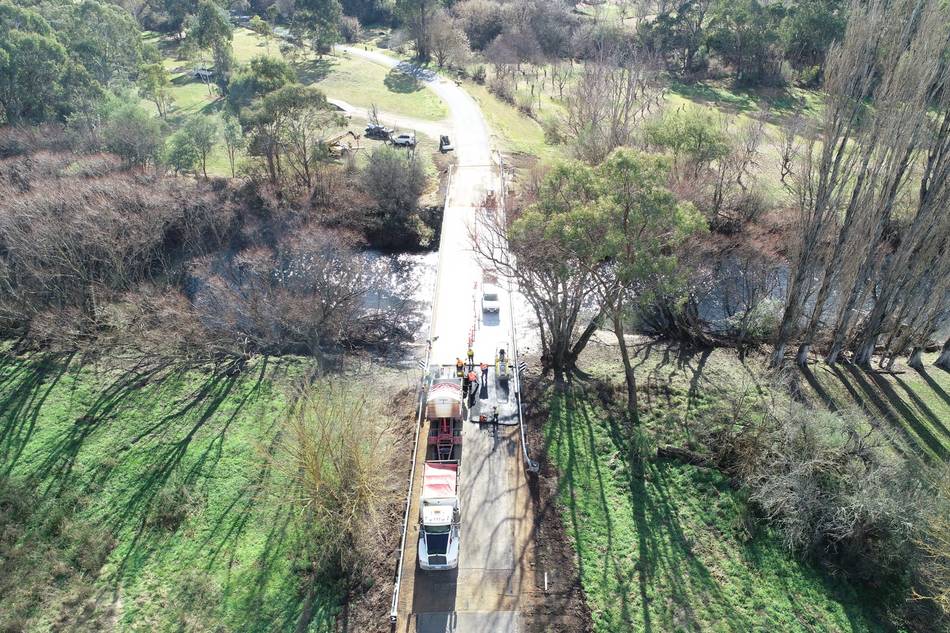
(629, 375)
(943, 361)
(916, 361)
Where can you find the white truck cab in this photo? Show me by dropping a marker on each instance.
(439, 517)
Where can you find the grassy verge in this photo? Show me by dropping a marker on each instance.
(363, 83)
(512, 130)
(666, 546)
(148, 501)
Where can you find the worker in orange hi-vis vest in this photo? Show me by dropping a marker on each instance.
(484, 368)
(459, 368)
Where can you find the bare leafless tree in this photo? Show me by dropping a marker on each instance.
(311, 296)
(853, 171)
(561, 73)
(448, 41)
(733, 174)
(790, 142)
(751, 278)
(611, 95)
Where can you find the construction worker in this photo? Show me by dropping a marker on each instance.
(501, 368)
(471, 359)
(484, 369)
(494, 419)
(459, 368)
(472, 388)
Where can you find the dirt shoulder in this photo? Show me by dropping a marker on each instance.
(367, 610)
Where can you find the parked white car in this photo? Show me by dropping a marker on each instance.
(490, 300)
(406, 139)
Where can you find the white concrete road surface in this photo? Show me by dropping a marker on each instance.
(484, 594)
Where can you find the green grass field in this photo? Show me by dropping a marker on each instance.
(351, 79)
(146, 501)
(665, 546)
(363, 83)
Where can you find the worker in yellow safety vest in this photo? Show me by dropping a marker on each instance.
(501, 364)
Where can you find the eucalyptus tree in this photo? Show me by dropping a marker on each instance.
(597, 240)
(211, 29)
(629, 235)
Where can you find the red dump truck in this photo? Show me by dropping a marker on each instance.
(439, 512)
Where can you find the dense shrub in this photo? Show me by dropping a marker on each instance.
(92, 251)
(829, 482)
(482, 21)
(394, 179)
(369, 11)
(501, 88)
(478, 74)
(552, 130)
(350, 29)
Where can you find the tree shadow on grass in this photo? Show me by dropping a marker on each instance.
(307, 598)
(183, 445)
(209, 458)
(933, 384)
(703, 93)
(923, 407)
(25, 386)
(398, 81)
(901, 418)
(579, 473)
(197, 413)
(910, 418)
(56, 468)
(314, 70)
(858, 606)
(166, 457)
(665, 559)
(692, 396)
(665, 550)
(184, 79)
(818, 388)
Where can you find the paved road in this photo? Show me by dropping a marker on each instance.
(432, 129)
(484, 594)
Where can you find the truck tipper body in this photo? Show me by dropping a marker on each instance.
(439, 509)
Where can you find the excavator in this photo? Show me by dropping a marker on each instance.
(338, 147)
